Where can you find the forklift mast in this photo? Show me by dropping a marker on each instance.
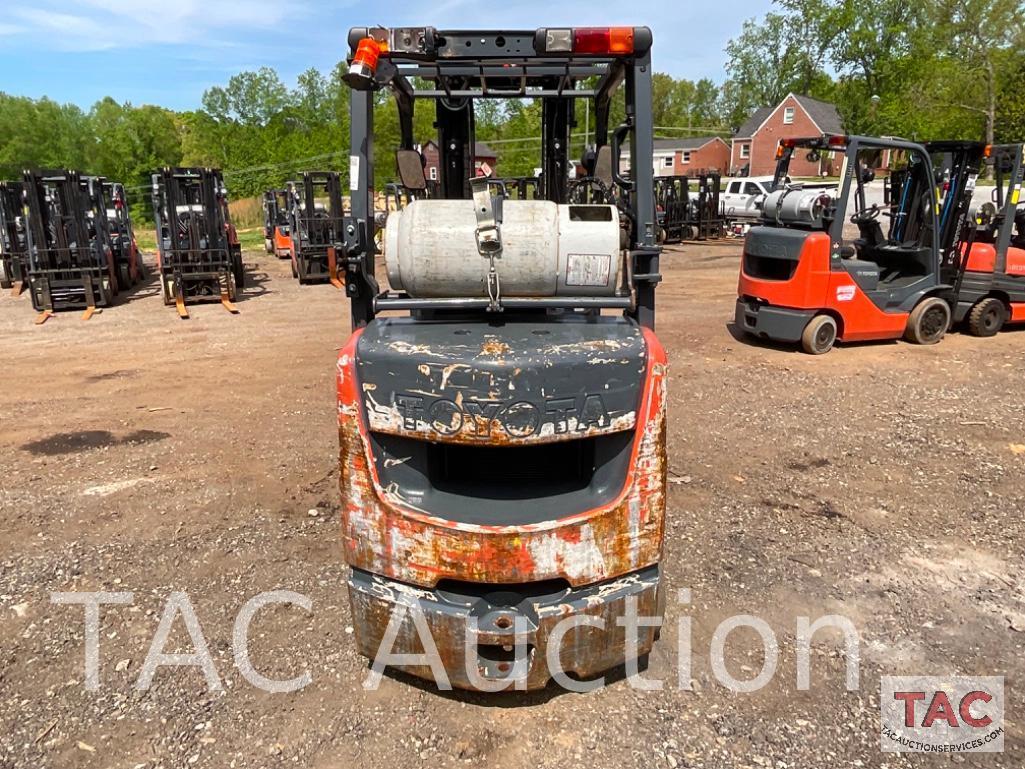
(70, 262)
(453, 69)
(199, 253)
(13, 237)
(956, 165)
(1009, 218)
(317, 220)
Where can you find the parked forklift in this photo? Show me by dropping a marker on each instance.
(686, 216)
(317, 219)
(277, 228)
(13, 238)
(992, 292)
(70, 259)
(502, 430)
(820, 267)
(199, 251)
(127, 258)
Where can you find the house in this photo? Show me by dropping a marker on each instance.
(754, 145)
(485, 160)
(691, 157)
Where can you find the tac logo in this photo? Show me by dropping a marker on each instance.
(923, 714)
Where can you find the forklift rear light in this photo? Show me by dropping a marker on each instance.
(601, 40)
(590, 40)
(988, 152)
(838, 141)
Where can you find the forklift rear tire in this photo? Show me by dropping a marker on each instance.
(929, 321)
(819, 335)
(987, 317)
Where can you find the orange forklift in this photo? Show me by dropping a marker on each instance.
(992, 292)
(502, 403)
(822, 267)
(277, 234)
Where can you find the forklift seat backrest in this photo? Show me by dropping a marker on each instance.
(603, 165)
(411, 169)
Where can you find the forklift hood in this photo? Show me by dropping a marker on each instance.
(530, 382)
(507, 453)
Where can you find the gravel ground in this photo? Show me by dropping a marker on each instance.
(147, 454)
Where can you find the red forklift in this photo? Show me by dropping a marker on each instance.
(316, 219)
(821, 266)
(992, 291)
(277, 230)
(502, 405)
(127, 257)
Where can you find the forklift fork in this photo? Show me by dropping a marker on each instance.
(179, 298)
(47, 302)
(17, 288)
(222, 280)
(90, 298)
(332, 268)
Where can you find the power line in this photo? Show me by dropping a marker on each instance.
(699, 129)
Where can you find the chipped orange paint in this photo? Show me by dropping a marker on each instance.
(385, 535)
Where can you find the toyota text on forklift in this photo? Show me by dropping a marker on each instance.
(503, 433)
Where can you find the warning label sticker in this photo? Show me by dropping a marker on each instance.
(588, 270)
(845, 293)
(354, 173)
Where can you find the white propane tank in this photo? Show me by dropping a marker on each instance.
(793, 205)
(548, 250)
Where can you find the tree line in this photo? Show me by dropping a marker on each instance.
(923, 70)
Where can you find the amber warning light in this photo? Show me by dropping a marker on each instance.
(364, 64)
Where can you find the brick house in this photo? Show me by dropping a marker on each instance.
(692, 156)
(755, 143)
(483, 155)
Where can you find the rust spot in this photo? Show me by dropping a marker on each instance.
(494, 347)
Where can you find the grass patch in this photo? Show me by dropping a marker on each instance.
(250, 239)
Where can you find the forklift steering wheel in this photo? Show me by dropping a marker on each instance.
(579, 187)
(868, 215)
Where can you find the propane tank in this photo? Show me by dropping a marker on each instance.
(798, 207)
(548, 250)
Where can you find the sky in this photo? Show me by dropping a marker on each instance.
(168, 52)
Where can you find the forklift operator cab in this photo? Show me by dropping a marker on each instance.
(502, 402)
(858, 264)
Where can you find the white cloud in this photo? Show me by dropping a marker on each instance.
(96, 25)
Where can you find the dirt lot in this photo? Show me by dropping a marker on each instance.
(147, 454)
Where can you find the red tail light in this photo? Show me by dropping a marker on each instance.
(837, 141)
(612, 40)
